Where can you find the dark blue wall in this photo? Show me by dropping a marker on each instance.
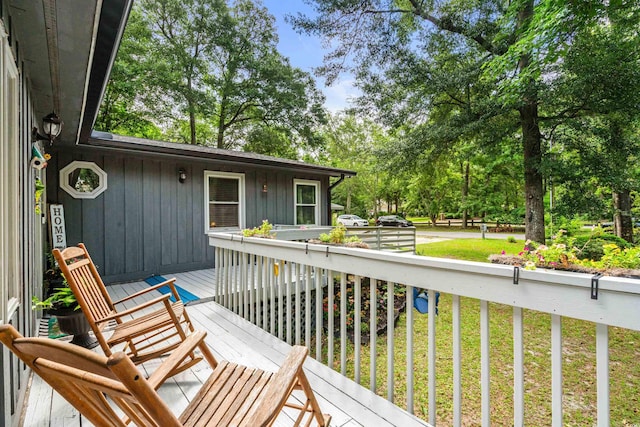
(146, 222)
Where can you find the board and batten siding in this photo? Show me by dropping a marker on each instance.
(147, 222)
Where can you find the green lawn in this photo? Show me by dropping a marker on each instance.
(469, 249)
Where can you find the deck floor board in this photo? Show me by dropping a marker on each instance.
(231, 338)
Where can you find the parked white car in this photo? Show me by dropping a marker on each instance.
(352, 221)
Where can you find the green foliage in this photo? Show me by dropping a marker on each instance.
(263, 231)
(37, 194)
(564, 227)
(338, 236)
(596, 252)
(63, 297)
(212, 75)
(592, 246)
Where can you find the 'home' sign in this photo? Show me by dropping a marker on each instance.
(58, 234)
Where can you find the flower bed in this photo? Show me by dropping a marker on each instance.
(562, 254)
(365, 307)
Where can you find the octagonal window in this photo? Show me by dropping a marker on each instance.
(83, 180)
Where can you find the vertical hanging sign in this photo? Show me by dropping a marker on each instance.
(58, 232)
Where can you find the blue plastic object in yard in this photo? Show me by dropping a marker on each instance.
(421, 300)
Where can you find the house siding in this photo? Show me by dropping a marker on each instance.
(147, 222)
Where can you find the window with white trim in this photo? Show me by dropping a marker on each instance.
(307, 202)
(224, 200)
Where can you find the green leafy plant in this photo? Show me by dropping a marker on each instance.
(63, 298)
(263, 231)
(39, 189)
(337, 236)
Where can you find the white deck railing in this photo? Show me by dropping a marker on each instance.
(289, 274)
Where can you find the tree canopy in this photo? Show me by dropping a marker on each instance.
(204, 72)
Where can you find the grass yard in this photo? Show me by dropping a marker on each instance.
(469, 249)
(579, 368)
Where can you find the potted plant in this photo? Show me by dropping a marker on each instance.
(71, 320)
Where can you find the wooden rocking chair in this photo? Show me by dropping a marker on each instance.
(147, 333)
(96, 385)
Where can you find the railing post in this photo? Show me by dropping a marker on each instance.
(331, 290)
(373, 330)
(556, 370)
(272, 295)
(518, 368)
(390, 322)
(485, 371)
(319, 298)
(289, 267)
(457, 361)
(409, 305)
(602, 363)
(343, 324)
(298, 276)
(307, 307)
(357, 330)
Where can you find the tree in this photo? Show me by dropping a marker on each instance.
(125, 107)
(600, 79)
(513, 45)
(351, 144)
(254, 86)
(212, 74)
(184, 33)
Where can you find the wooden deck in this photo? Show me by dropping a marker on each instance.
(232, 338)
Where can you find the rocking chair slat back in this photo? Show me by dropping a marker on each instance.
(149, 330)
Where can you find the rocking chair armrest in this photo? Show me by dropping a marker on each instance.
(169, 282)
(175, 359)
(162, 298)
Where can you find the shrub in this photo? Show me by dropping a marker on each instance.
(592, 247)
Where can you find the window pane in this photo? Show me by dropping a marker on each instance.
(305, 215)
(306, 194)
(223, 189)
(223, 215)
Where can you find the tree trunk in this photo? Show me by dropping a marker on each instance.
(465, 194)
(531, 144)
(192, 113)
(534, 193)
(622, 217)
(222, 118)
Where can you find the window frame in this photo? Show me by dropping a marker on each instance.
(240, 177)
(306, 182)
(79, 164)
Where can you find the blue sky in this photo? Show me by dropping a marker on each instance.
(306, 52)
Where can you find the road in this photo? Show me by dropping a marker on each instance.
(436, 236)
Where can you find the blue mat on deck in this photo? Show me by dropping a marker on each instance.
(185, 295)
